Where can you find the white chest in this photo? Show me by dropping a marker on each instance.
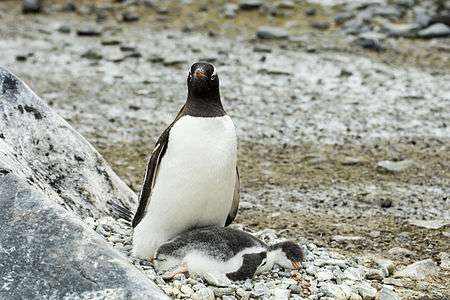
(195, 182)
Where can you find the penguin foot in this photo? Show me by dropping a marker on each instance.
(183, 268)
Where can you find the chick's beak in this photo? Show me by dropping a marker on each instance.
(199, 74)
(296, 265)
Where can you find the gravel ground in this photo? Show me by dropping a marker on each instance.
(315, 115)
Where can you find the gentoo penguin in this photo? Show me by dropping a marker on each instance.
(231, 252)
(192, 178)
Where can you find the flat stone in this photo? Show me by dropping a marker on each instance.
(387, 166)
(271, 32)
(281, 294)
(354, 274)
(388, 294)
(393, 281)
(445, 260)
(64, 29)
(418, 270)
(375, 274)
(217, 279)
(399, 251)
(92, 54)
(31, 6)
(400, 30)
(371, 40)
(250, 4)
(365, 291)
(334, 291)
(435, 31)
(222, 291)
(128, 16)
(346, 238)
(89, 30)
(324, 275)
(430, 224)
(204, 294)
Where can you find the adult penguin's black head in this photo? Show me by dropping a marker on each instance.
(203, 81)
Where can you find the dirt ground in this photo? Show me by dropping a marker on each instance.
(309, 142)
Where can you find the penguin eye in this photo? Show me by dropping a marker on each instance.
(213, 76)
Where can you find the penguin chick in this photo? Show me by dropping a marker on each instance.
(235, 253)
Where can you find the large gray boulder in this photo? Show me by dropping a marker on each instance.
(47, 152)
(51, 179)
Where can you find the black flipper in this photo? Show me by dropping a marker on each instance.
(250, 263)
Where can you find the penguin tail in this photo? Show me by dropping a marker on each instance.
(120, 211)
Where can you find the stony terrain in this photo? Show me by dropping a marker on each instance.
(344, 139)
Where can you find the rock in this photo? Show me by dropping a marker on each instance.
(430, 224)
(260, 289)
(286, 4)
(418, 270)
(371, 40)
(323, 25)
(334, 291)
(386, 265)
(281, 294)
(230, 10)
(89, 30)
(375, 274)
(128, 16)
(393, 281)
(21, 57)
(64, 29)
(355, 26)
(387, 166)
(204, 294)
(43, 139)
(270, 32)
(399, 251)
(388, 294)
(92, 54)
(422, 18)
(405, 3)
(70, 6)
(250, 4)
(222, 291)
(228, 298)
(217, 279)
(365, 290)
(445, 260)
(31, 6)
(51, 252)
(400, 30)
(111, 42)
(324, 275)
(342, 17)
(355, 296)
(354, 274)
(187, 290)
(346, 238)
(311, 11)
(435, 31)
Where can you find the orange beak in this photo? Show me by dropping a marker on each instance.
(199, 74)
(296, 265)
